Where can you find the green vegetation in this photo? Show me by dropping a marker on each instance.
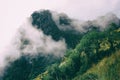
(107, 69)
(43, 20)
(27, 68)
(94, 55)
(94, 48)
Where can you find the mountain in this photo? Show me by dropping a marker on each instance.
(56, 47)
(44, 20)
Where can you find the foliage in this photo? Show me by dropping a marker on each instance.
(93, 47)
(27, 68)
(106, 69)
(43, 20)
(93, 55)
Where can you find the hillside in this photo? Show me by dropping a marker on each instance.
(96, 57)
(107, 69)
(68, 49)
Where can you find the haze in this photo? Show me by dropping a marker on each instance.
(14, 12)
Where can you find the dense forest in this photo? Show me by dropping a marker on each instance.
(92, 50)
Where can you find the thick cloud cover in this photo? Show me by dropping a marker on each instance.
(14, 12)
(31, 41)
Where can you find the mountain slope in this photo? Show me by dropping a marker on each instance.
(107, 69)
(55, 47)
(93, 47)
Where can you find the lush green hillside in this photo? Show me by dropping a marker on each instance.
(92, 55)
(107, 69)
(94, 48)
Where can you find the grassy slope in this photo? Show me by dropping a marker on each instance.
(107, 69)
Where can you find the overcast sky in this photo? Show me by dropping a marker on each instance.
(14, 12)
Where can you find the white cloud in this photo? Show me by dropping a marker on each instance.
(30, 41)
(14, 12)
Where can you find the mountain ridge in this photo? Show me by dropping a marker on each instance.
(50, 34)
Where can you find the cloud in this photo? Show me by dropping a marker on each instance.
(82, 26)
(13, 14)
(30, 41)
(89, 10)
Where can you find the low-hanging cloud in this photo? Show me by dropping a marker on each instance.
(30, 41)
(102, 22)
(34, 41)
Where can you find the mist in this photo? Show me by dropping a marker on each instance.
(102, 22)
(29, 40)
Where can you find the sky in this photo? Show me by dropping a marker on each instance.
(14, 12)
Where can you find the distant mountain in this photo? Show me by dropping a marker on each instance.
(56, 47)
